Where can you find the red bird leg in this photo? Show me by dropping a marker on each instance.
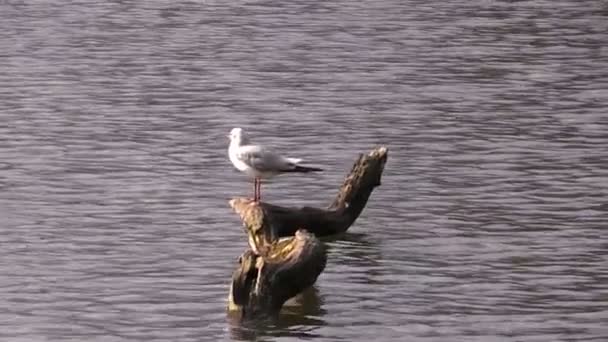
(259, 189)
(255, 189)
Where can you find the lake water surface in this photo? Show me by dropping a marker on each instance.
(490, 224)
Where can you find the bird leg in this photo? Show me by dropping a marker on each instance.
(255, 189)
(259, 190)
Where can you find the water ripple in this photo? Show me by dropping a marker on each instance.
(489, 225)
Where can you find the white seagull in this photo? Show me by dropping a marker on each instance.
(258, 162)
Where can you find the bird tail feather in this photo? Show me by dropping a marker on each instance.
(305, 169)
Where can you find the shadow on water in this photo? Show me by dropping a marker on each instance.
(299, 317)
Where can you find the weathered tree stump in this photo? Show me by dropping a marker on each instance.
(276, 268)
(263, 283)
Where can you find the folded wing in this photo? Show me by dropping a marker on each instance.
(265, 160)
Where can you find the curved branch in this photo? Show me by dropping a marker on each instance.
(267, 222)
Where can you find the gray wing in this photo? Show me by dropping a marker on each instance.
(263, 160)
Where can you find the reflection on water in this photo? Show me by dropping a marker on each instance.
(299, 318)
(114, 178)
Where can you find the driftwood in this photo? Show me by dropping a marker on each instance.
(262, 284)
(285, 256)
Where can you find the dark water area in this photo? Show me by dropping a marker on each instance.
(490, 224)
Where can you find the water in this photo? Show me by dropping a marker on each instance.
(114, 179)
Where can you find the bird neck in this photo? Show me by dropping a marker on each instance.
(240, 141)
(237, 142)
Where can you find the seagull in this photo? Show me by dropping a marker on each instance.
(260, 163)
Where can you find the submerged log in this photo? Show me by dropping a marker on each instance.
(276, 268)
(261, 284)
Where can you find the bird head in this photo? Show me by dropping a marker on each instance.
(236, 135)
